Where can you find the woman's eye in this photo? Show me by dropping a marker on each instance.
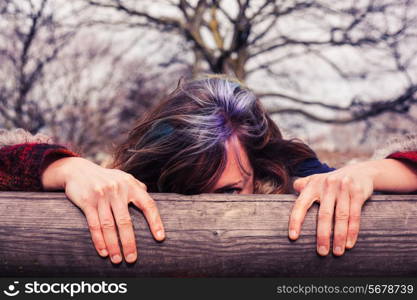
(232, 191)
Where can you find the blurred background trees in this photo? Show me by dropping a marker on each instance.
(69, 79)
(339, 74)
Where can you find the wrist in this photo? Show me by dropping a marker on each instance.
(392, 175)
(55, 175)
(373, 170)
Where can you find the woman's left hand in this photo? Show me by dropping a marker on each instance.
(341, 195)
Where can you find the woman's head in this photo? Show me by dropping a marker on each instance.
(210, 135)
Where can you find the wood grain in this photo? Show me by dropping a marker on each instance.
(44, 234)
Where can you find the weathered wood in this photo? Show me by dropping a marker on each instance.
(207, 235)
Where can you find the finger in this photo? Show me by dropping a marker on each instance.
(95, 230)
(354, 216)
(341, 218)
(301, 206)
(300, 183)
(325, 217)
(109, 231)
(144, 202)
(124, 224)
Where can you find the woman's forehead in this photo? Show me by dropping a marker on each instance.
(238, 167)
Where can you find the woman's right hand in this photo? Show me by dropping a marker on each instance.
(104, 195)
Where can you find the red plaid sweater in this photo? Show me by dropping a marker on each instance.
(21, 165)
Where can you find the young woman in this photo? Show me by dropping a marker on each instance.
(208, 136)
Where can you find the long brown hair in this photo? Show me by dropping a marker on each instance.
(179, 147)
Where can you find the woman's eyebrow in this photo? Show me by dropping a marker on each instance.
(227, 186)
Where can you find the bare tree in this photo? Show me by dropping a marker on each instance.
(267, 38)
(60, 76)
(99, 111)
(31, 39)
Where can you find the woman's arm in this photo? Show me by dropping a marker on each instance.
(342, 193)
(391, 175)
(33, 163)
(22, 165)
(24, 156)
(400, 151)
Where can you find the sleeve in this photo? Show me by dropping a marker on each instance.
(408, 156)
(311, 166)
(24, 157)
(403, 148)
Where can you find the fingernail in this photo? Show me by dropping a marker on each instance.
(104, 252)
(293, 234)
(160, 234)
(338, 250)
(349, 243)
(116, 258)
(131, 257)
(322, 250)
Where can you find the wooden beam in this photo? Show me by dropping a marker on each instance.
(44, 234)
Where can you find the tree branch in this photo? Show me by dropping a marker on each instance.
(361, 111)
(168, 23)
